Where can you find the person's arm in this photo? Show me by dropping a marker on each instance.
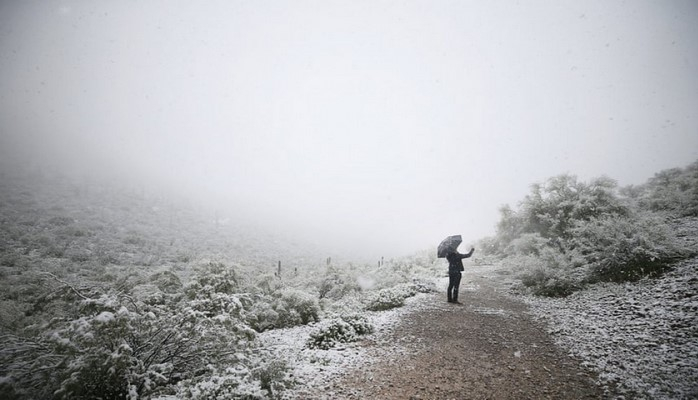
(472, 250)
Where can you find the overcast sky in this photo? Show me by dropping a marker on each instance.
(379, 127)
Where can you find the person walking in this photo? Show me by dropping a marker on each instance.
(455, 266)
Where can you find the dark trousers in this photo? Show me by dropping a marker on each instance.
(453, 283)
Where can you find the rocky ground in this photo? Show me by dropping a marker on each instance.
(642, 337)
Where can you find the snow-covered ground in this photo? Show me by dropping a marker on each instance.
(311, 369)
(642, 337)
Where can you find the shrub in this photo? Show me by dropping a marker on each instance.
(266, 379)
(359, 322)
(628, 248)
(338, 330)
(673, 190)
(386, 299)
(552, 209)
(331, 332)
(568, 233)
(285, 308)
(268, 283)
(551, 273)
(87, 357)
(262, 316)
(119, 347)
(272, 376)
(543, 281)
(336, 286)
(213, 278)
(296, 307)
(167, 281)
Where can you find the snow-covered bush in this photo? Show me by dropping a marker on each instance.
(272, 375)
(359, 322)
(88, 357)
(333, 331)
(116, 346)
(625, 248)
(263, 380)
(674, 191)
(167, 281)
(386, 299)
(551, 273)
(268, 283)
(295, 307)
(424, 285)
(213, 277)
(283, 309)
(336, 284)
(330, 332)
(101, 354)
(567, 233)
(262, 315)
(345, 305)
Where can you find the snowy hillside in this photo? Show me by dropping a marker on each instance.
(115, 293)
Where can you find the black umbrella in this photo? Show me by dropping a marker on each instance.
(449, 245)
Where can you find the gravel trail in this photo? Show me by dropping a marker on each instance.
(487, 348)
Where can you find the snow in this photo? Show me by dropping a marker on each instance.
(104, 317)
(641, 337)
(312, 368)
(365, 283)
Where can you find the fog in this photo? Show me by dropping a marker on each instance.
(371, 127)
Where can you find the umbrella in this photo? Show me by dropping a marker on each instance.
(449, 245)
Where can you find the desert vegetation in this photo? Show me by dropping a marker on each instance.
(115, 293)
(566, 233)
(112, 293)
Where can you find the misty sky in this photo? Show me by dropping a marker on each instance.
(379, 127)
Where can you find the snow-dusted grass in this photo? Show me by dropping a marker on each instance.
(642, 337)
(312, 368)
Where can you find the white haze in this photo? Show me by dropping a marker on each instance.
(372, 127)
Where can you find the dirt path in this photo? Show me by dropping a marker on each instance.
(486, 348)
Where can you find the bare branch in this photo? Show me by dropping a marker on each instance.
(57, 279)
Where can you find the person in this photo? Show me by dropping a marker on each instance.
(455, 266)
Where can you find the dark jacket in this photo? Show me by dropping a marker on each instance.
(455, 261)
